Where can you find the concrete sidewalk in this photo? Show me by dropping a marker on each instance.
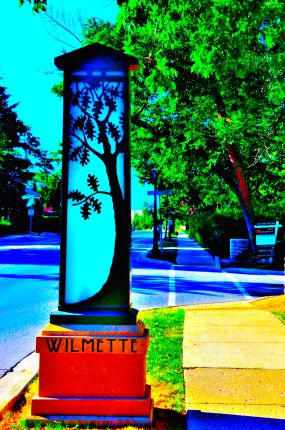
(234, 367)
(189, 253)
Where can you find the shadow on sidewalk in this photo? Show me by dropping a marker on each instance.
(197, 420)
(166, 419)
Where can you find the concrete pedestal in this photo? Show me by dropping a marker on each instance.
(93, 374)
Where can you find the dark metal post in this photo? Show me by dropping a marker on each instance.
(155, 250)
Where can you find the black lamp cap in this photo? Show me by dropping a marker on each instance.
(81, 56)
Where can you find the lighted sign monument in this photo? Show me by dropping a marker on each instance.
(96, 184)
(92, 355)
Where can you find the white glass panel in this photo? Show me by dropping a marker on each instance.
(97, 133)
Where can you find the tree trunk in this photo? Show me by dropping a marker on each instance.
(242, 188)
(115, 293)
(119, 277)
(243, 194)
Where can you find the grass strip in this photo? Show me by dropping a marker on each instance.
(164, 359)
(280, 316)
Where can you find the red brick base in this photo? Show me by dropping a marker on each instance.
(95, 373)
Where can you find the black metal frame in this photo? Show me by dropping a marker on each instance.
(71, 62)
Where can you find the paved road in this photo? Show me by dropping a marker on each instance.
(29, 272)
(156, 285)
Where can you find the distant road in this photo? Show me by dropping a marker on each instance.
(29, 274)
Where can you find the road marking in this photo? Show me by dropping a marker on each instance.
(150, 272)
(172, 291)
(278, 279)
(238, 285)
(5, 247)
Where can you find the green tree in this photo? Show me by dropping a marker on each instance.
(48, 181)
(38, 5)
(20, 156)
(143, 221)
(208, 102)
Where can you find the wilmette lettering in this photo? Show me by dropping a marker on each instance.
(92, 345)
(53, 344)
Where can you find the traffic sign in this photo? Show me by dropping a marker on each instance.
(160, 192)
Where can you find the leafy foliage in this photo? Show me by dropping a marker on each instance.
(38, 5)
(143, 221)
(20, 156)
(208, 101)
(48, 181)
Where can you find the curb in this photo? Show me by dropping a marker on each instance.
(15, 382)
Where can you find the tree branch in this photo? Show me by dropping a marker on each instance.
(86, 144)
(140, 110)
(55, 21)
(89, 197)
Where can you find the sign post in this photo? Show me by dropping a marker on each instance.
(31, 213)
(155, 250)
(31, 196)
(93, 353)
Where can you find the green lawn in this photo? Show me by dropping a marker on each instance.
(164, 359)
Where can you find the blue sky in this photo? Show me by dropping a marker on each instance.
(27, 54)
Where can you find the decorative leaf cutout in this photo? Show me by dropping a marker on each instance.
(85, 157)
(93, 182)
(97, 109)
(86, 99)
(96, 205)
(95, 103)
(76, 196)
(85, 210)
(74, 153)
(113, 91)
(79, 123)
(89, 129)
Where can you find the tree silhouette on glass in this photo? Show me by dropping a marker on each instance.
(97, 127)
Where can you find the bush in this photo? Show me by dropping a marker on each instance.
(215, 231)
(5, 227)
(17, 225)
(50, 223)
(143, 222)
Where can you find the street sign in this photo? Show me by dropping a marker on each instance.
(31, 211)
(160, 193)
(266, 233)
